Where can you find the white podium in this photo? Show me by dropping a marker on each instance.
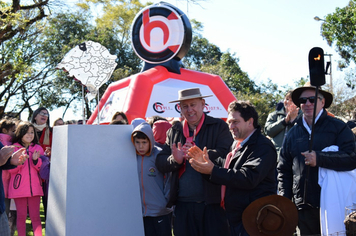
(93, 187)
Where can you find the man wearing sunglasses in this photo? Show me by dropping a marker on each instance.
(298, 168)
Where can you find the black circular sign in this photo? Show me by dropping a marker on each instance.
(161, 32)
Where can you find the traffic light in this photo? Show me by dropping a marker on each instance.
(316, 66)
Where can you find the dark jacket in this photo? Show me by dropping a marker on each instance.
(291, 167)
(250, 175)
(215, 135)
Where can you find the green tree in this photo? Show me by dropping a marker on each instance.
(201, 53)
(339, 28)
(117, 18)
(22, 74)
(207, 57)
(17, 29)
(17, 18)
(20, 78)
(63, 32)
(265, 100)
(66, 30)
(30, 50)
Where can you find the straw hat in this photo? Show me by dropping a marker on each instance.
(298, 91)
(191, 93)
(272, 215)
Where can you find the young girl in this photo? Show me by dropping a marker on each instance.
(7, 133)
(25, 183)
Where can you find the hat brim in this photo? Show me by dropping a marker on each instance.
(286, 206)
(190, 97)
(298, 91)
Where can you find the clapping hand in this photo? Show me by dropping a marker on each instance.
(181, 151)
(196, 153)
(36, 155)
(19, 157)
(292, 112)
(178, 153)
(5, 154)
(200, 160)
(186, 148)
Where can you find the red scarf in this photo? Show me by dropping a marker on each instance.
(229, 156)
(190, 139)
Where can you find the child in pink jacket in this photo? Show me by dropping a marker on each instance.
(25, 183)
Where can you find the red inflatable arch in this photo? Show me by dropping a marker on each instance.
(148, 94)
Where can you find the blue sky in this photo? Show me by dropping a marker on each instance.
(272, 39)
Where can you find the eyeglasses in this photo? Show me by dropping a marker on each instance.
(43, 114)
(304, 100)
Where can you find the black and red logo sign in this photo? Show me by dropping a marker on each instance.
(161, 32)
(160, 108)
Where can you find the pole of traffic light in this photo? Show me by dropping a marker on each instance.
(317, 78)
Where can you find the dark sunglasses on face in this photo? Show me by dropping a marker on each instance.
(304, 100)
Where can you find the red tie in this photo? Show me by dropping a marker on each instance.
(226, 166)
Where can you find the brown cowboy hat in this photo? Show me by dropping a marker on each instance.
(191, 93)
(298, 91)
(272, 215)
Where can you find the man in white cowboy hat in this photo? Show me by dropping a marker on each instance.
(249, 171)
(298, 168)
(197, 200)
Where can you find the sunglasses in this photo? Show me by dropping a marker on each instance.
(304, 100)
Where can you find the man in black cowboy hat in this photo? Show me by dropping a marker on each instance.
(197, 200)
(298, 168)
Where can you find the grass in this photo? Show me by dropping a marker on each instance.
(29, 231)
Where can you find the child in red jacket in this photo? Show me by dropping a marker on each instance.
(25, 184)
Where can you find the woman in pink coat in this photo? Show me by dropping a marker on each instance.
(25, 183)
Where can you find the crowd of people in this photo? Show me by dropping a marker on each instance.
(26, 185)
(211, 177)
